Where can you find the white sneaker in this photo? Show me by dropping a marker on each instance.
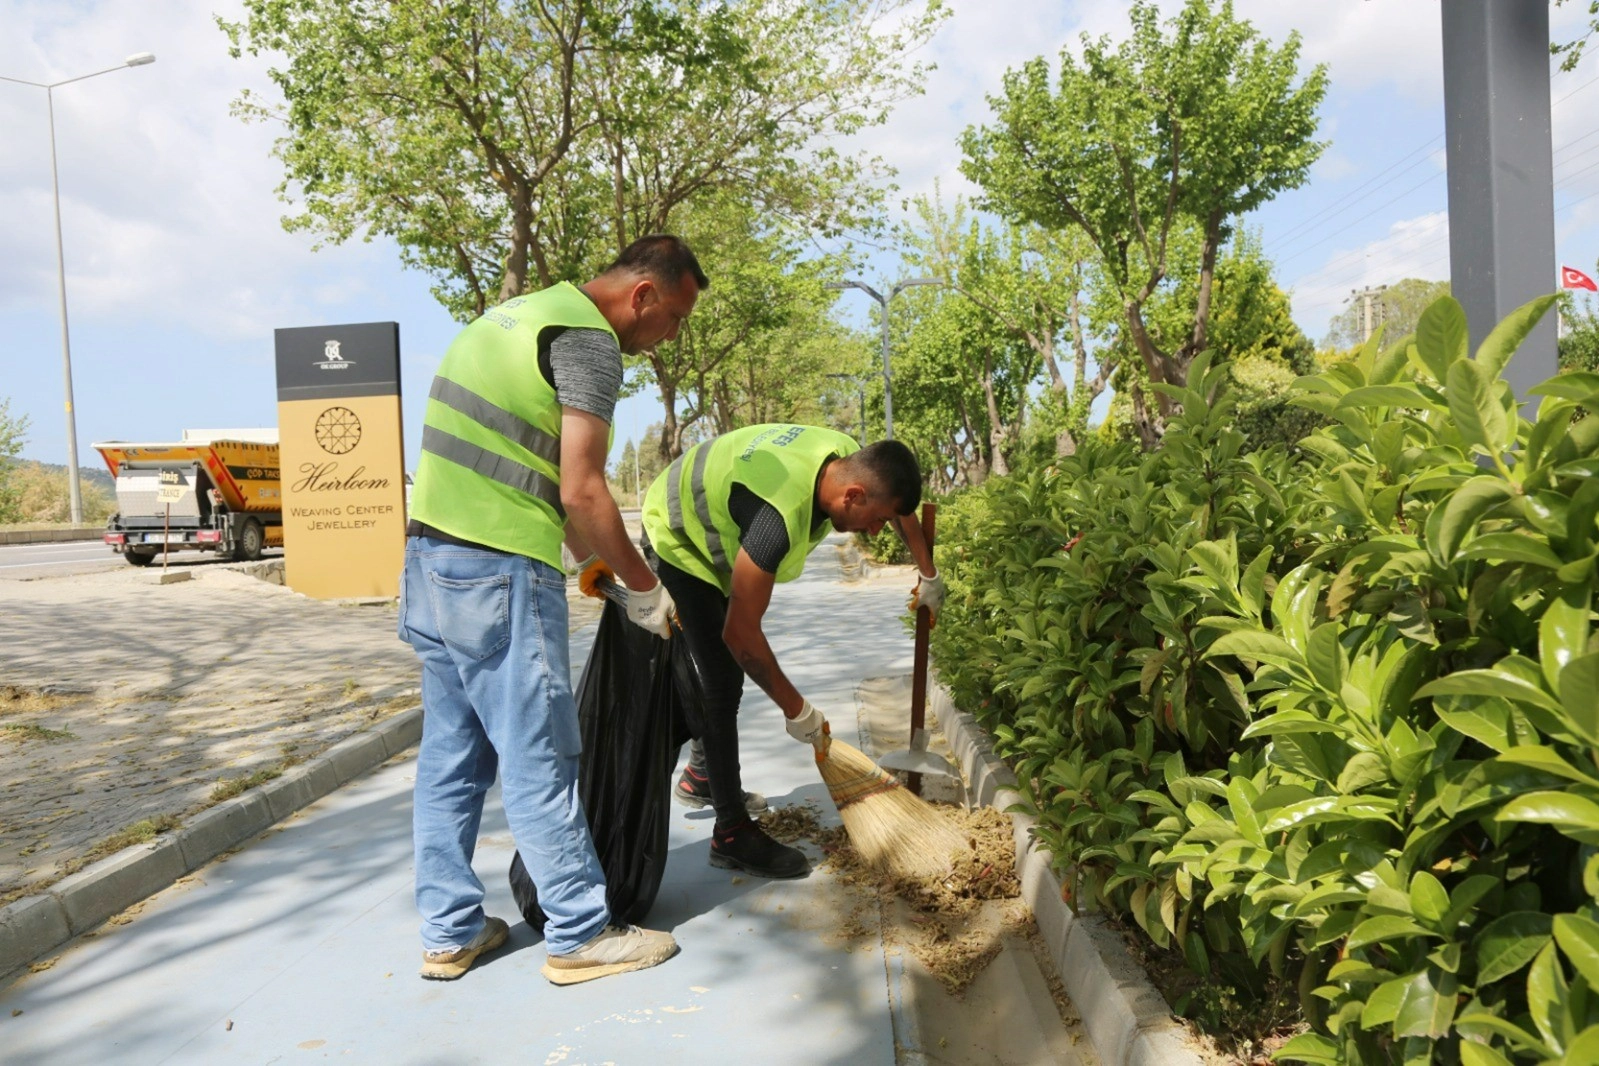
(618, 949)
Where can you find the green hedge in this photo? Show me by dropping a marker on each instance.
(1328, 715)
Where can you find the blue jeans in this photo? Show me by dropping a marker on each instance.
(491, 631)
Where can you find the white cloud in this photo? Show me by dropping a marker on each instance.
(168, 205)
(1412, 248)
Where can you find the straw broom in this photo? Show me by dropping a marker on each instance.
(891, 828)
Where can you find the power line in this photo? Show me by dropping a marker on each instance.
(1334, 208)
(1362, 218)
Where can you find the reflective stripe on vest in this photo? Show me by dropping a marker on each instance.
(787, 459)
(507, 472)
(702, 507)
(500, 420)
(490, 468)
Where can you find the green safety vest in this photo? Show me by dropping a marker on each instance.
(778, 462)
(490, 470)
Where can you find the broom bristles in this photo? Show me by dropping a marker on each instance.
(891, 828)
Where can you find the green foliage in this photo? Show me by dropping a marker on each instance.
(507, 144)
(13, 435)
(1332, 718)
(1579, 348)
(1182, 126)
(1396, 309)
(1016, 302)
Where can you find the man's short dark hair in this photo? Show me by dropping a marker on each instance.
(895, 470)
(663, 258)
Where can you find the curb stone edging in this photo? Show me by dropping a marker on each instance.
(33, 926)
(51, 536)
(1127, 1021)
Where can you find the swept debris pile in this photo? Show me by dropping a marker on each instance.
(943, 920)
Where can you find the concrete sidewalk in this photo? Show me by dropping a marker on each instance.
(304, 943)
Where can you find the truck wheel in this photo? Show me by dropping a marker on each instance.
(139, 556)
(252, 538)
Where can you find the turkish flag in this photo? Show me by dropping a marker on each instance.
(1576, 279)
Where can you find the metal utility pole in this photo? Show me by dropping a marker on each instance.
(1370, 298)
(888, 385)
(138, 59)
(1501, 176)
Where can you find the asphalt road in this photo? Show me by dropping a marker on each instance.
(26, 561)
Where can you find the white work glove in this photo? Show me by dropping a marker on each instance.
(652, 610)
(929, 593)
(810, 727)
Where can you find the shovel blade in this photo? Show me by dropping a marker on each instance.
(918, 762)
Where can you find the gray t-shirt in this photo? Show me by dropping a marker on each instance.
(586, 370)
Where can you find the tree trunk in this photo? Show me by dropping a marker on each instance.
(996, 429)
(515, 281)
(1147, 424)
(1207, 275)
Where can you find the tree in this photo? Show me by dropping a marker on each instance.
(1579, 341)
(756, 347)
(1397, 308)
(13, 435)
(745, 98)
(507, 144)
(1202, 124)
(1031, 282)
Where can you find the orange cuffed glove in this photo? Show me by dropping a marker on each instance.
(594, 575)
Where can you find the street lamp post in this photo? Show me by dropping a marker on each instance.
(138, 59)
(899, 287)
(860, 388)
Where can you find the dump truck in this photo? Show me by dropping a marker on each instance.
(214, 490)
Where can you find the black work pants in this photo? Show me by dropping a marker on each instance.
(702, 611)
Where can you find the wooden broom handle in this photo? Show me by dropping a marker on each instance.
(924, 626)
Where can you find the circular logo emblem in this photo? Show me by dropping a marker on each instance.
(338, 430)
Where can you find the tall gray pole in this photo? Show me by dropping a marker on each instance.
(888, 380)
(1501, 176)
(74, 493)
(137, 59)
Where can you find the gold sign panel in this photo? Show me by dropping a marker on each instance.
(343, 460)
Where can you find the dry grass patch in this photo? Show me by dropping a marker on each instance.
(21, 732)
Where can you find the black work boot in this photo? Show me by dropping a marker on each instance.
(693, 789)
(747, 847)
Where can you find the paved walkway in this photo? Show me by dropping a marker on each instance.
(304, 943)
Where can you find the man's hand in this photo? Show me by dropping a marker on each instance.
(592, 575)
(812, 728)
(929, 593)
(652, 610)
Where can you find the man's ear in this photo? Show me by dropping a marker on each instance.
(643, 289)
(854, 494)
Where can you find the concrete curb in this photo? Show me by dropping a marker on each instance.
(34, 926)
(1126, 1018)
(50, 536)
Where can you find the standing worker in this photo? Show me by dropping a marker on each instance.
(514, 444)
(766, 492)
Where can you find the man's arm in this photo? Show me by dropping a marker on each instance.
(591, 512)
(752, 594)
(910, 531)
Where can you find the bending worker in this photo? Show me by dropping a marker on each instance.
(514, 442)
(723, 524)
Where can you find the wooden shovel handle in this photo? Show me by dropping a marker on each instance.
(924, 626)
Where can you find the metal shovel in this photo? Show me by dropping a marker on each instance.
(917, 760)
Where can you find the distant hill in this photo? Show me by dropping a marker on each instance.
(96, 475)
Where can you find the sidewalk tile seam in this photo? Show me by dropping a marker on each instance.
(1121, 1032)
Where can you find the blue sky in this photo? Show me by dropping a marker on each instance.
(178, 269)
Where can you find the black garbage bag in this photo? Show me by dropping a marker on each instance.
(631, 704)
